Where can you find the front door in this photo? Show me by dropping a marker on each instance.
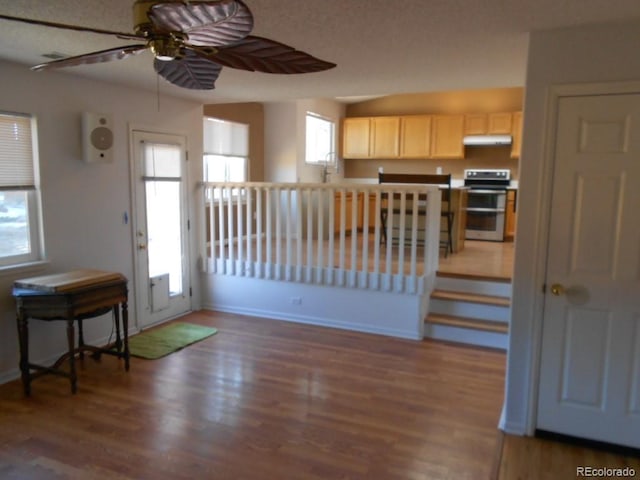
(590, 364)
(162, 267)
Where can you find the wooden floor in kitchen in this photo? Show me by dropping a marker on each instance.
(480, 259)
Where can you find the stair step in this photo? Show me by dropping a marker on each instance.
(468, 323)
(471, 298)
(466, 276)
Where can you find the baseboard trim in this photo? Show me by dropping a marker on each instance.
(309, 320)
(585, 442)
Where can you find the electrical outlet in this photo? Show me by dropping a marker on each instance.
(296, 300)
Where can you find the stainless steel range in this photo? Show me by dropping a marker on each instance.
(487, 199)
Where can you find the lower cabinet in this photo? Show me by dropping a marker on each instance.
(510, 215)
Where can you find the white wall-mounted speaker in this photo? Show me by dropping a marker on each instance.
(97, 138)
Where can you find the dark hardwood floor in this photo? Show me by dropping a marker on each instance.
(264, 400)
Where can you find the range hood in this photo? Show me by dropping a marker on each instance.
(487, 140)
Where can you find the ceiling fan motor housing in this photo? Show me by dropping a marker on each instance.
(165, 47)
(141, 23)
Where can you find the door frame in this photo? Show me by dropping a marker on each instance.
(136, 281)
(538, 261)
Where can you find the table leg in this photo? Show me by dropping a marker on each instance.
(125, 333)
(72, 360)
(116, 316)
(80, 338)
(23, 338)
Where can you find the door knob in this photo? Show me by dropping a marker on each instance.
(142, 246)
(557, 289)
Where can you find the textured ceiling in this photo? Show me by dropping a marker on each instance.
(381, 47)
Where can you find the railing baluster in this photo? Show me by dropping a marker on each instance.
(376, 235)
(269, 232)
(278, 193)
(322, 195)
(365, 233)
(259, 231)
(354, 234)
(240, 228)
(288, 233)
(309, 261)
(332, 229)
(249, 261)
(210, 252)
(221, 229)
(343, 229)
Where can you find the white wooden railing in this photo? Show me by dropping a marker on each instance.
(309, 233)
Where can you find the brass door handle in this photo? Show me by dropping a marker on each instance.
(557, 289)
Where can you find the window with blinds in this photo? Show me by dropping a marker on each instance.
(226, 151)
(20, 232)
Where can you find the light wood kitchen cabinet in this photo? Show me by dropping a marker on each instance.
(510, 215)
(447, 132)
(499, 123)
(488, 124)
(516, 132)
(385, 137)
(415, 136)
(356, 135)
(475, 124)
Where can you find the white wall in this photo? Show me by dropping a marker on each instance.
(600, 53)
(83, 204)
(280, 147)
(285, 139)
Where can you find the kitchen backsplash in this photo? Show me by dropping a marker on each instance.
(475, 157)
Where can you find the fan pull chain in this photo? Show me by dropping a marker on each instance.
(158, 91)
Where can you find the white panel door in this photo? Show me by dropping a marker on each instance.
(590, 364)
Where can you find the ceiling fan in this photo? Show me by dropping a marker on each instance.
(191, 42)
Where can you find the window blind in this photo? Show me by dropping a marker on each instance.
(16, 152)
(161, 161)
(225, 138)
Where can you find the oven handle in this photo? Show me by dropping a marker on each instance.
(487, 192)
(497, 210)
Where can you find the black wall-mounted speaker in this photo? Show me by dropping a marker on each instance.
(97, 138)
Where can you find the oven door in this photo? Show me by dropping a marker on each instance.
(485, 215)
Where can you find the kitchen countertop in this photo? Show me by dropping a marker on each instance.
(455, 182)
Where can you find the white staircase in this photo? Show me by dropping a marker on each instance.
(473, 310)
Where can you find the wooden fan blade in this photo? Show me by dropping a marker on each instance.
(191, 71)
(77, 28)
(258, 54)
(211, 23)
(117, 53)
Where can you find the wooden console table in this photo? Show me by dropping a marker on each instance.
(72, 296)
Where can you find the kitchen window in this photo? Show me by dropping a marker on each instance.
(320, 140)
(226, 151)
(20, 223)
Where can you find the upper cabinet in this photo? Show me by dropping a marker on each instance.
(475, 124)
(488, 123)
(423, 136)
(447, 132)
(385, 137)
(356, 134)
(516, 132)
(415, 136)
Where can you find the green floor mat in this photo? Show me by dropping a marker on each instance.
(162, 341)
